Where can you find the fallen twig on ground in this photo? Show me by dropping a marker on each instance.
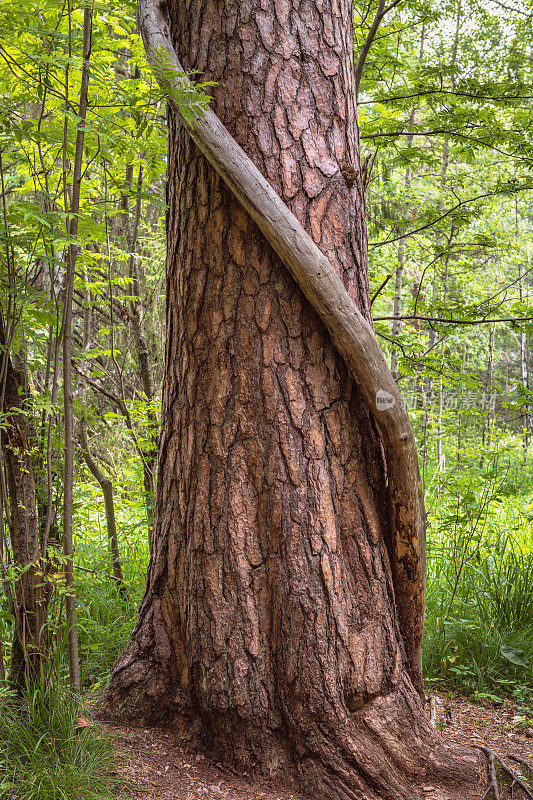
(516, 779)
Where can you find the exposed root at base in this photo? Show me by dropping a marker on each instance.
(518, 781)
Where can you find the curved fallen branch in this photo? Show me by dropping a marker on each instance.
(352, 335)
(523, 763)
(514, 778)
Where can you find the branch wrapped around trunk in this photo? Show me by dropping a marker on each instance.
(352, 335)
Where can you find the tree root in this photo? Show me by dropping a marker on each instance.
(517, 780)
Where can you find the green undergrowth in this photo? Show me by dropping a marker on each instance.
(479, 620)
(106, 617)
(48, 752)
(105, 622)
(478, 635)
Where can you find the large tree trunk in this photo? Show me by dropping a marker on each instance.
(269, 630)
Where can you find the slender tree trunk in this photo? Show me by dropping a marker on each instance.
(488, 383)
(397, 312)
(431, 336)
(524, 370)
(143, 359)
(104, 481)
(441, 456)
(524, 357)
(109, 504)
(435, 289)
(25, 589)
(488, 401)
(130, 231)
(396, 325)
(68, 544)
(269, 630)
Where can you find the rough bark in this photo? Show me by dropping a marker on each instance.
(24, 589)
(351, 333)
(269, 630)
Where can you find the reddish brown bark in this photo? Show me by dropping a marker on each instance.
(24, 587)
(269, 628)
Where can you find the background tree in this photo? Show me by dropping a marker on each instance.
(63, 267)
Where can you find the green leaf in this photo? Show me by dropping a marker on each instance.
(514, 656)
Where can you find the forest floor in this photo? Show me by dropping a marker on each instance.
(155, 767)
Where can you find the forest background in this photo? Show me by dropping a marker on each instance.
(446, 126)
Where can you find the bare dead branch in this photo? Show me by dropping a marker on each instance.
(447, 321)
(380, 288)
(381, 11)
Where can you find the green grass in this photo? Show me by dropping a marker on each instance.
(105, 623)
(105, 619)
(45, 755)
(478, 635)
(479, 627)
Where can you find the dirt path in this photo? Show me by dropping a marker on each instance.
(159, 769)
